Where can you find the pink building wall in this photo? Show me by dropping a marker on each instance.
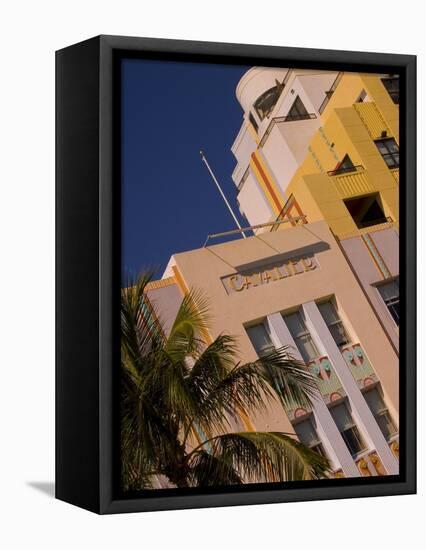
(386, 242)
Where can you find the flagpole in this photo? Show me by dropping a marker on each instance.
(203, 158)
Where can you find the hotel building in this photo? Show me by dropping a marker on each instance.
(324, 145)
(317, 157)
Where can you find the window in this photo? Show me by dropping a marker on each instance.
(362, 97)
(390, 295)
(347, 427)
(334, 323)
(345, 166)
(298, 111)
(260, 339)
(389, 150)
(301, 336)
(265, 104)
(308, 435)
(392, 86)
(381, 414)
(366, 211)
(253, 122)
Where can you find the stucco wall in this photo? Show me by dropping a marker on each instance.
(204, 269)
(369, 275)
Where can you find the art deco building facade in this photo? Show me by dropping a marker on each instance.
(318, 153)
(325, 146)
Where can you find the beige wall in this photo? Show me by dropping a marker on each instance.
(204, 268)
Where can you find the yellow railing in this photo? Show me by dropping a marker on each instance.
(372, 119)
(352, 184)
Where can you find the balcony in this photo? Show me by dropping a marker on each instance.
(359, 365)
(328, 383)
(372, 119)
(351, 182)
(284, 119)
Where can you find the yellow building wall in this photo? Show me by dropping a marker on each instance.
(349, 129)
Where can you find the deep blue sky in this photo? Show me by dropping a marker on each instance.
(171, 110)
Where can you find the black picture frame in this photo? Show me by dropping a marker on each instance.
(88, 271)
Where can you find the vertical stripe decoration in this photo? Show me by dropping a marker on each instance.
(266, 181)
(375, 254)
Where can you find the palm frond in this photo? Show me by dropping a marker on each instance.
(140, 328)
(208, 470)
(261, 456)
(225, 388)
(291, 381)
(190, 329)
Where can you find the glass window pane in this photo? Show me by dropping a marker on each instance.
(394, 311)
(297, 110)
(342, 416)
(339, 334)
(306, 432)
(389, 290)
(260, 339)
(295, 324)
(353, 440)
(328, 312)
(334, 323)
(382, 147)
(374, 401)
(386, 424)
(392, 146)
(306, 347)
(301, 336)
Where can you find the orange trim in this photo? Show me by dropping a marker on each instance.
(286, 211)
(160, 283)
(179, 279)
(266, 181)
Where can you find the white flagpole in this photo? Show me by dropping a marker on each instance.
(203, 158)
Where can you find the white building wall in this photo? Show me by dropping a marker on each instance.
(253, 203)
(286, 145)
(315, 86)
(242, 148)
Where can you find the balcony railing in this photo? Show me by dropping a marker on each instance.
(359, 365)
(352, 183)
(346, 170)
(280, 119)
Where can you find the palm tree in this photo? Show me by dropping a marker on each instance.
(181, 395)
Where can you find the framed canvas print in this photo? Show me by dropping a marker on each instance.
(235, 274)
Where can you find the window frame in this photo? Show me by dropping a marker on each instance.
(300, 114)
(318, 441)
(353, 428)
(393, 94)
(335, 323)
(267, 350)
(382, 412)
(381, 285)
(388, 155)
(297, 337)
